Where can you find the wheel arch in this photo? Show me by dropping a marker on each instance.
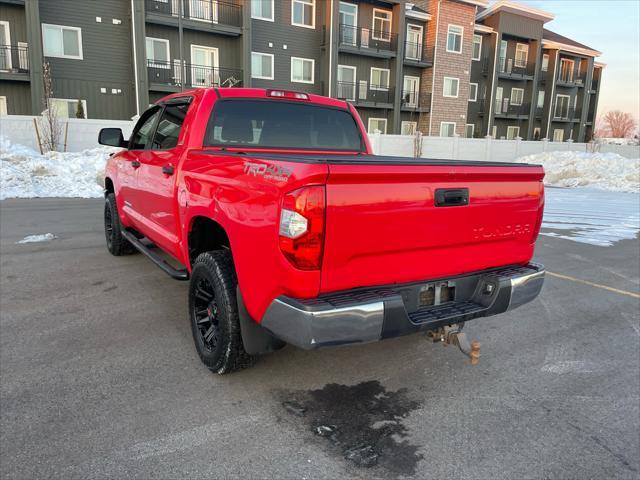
(108, 186)
(205, 234)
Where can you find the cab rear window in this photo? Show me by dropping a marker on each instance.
(282, 124)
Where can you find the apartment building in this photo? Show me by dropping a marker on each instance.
(438, 66)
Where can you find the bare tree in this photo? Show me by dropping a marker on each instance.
(49, 121)
(619, 124)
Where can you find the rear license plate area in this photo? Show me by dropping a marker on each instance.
(437, 293)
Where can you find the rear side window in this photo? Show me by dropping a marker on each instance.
(282, 124)
(169, 127)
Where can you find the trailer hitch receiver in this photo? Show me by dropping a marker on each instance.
(453, 335)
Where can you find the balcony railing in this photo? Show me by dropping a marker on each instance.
(14, 59)
(361, 37)
(415, 100)
(364, 93)
(510, 67)
(566, 114)
(210, 11)
(570, 80)
(504, 107)
(171, 74)
(416, 52)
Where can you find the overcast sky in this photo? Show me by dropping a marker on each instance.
(613, 28)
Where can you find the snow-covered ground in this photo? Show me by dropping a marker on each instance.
(604, 171)
(42, 237)
(24, 173)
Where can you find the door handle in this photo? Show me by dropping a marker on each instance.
(167, 169)
(135, 163)
(454, 197)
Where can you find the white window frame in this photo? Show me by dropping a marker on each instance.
(74, 101)
(526, 55)
(313, 15)
(571, 70)
(416, 93)
(373, 24)
(541, 95)
(444, 84)
(261, 54)
(515, 89)
(379, 88)
(555, 131)
(475, 37)
(442, 124)
(8, 60)
(412, 125)
(355, 79)
(266, 19)
(545, 62)
(473, 129)
(313, 70)
(461, 37)
(63, 27)
(494, 131)
(167, 62)
(475, 97)
(555, 109)
(4, 107)
(377, 119)
(420, 43)
(511, 129)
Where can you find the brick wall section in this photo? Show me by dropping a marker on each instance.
(457, 65)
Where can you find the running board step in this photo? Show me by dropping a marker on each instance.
(182, 274)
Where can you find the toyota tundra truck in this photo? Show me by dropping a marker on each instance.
(289, 229)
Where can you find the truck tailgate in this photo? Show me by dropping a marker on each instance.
(383, 225)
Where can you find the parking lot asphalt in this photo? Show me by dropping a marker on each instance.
(100, 379)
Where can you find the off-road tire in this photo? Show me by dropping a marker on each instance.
(215, 269)
(116, 243)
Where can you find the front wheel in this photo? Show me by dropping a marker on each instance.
(213, 311)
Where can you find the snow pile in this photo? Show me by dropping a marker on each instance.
(24, 173)
(604, 171)
(45, 237)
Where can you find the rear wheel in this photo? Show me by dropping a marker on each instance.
(213, 311)
(116, 243)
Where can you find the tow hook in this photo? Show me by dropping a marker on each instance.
(453, 335)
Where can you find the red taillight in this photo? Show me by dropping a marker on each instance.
(301, 229)
(536, 230)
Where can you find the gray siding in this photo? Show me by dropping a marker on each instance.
(107, 56)
(14, 14)
(299, 41)
(18, 97)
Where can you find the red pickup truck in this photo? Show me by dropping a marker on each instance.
(290, 230)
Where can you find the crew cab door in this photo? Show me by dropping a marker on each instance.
(156, 186)
(130, 163)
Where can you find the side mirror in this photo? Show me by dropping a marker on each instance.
(112, 137)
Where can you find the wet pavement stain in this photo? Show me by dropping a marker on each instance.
(363, 423)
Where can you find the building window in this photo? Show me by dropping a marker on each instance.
(450, 87)
(302, 70)
(513, 132)
(536, 133)
(377, 125)
(540, 98)
(494, 131)
(157, 52)
(447, 129)
(3, 105)
(303, 13)
(468, 130)
(408, 128)
(379, 79)
(473, 92)
(67, 108)
(60, 41)
(545, 62)
(262, 9)
(517, 96)
(381, 25)
(566, 70)
(477, 46)
(522, 53)
(347, 82)
(414, 42)
(454, 39)
(262, 65)
(562, 106)
(558, 135)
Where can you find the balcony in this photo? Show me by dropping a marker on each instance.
(539, 111)
(594, 86)
(416, 55)
(14, 62)
(505, 109)
(366, 41)
(363, 94)
(509, 68)
(566, 115)
(414, 101)
(481, 105)
(167, 77)
(207, 15)
(565, 79)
